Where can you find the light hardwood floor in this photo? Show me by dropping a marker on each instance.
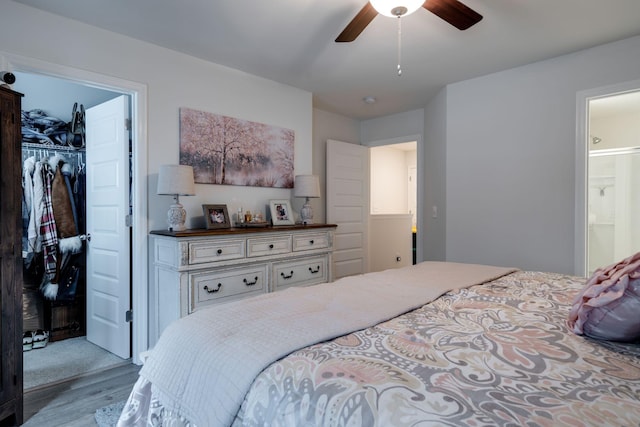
(73, 402)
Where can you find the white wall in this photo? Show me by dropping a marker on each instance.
(392, 127)
(435, 179)
(173, 80)
(389, 175)
(617, 131)
(510, 143)
(389, 242)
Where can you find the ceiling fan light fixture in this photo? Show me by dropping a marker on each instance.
(395, 8)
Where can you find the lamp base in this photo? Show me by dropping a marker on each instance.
(306, 213)
(176, 217)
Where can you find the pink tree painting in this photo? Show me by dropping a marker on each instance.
(227, 150)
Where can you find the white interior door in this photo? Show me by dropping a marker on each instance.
(108, 251)
(348, 206)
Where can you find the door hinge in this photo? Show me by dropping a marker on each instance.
(128, 317)
(15, 380)
(128, 220)
(127, 124)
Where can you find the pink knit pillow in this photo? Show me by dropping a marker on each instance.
(608, 307)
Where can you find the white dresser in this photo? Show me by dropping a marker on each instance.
(198, 268)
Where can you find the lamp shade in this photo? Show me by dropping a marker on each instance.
(307, 186)
(176, 180)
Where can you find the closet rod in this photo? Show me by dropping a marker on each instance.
(33, 145)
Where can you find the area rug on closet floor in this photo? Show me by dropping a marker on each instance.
(108, 415)
(64, 359)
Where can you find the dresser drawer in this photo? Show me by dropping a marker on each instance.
(201, 268)
(212, 287)
(217, 250)
(308, 241)
(307, 271)
(273, 245)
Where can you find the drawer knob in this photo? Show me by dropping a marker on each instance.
(312, 271)
(284, 276)
(311, 242)
(213, 291)
(271, 246)
(219, 251)
(246, 282)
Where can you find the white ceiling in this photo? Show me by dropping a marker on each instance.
(292, 41)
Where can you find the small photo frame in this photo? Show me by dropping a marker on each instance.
(216, 216)
(281, 213)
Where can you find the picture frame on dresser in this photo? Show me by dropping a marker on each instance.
(281, 213)
(216, 217)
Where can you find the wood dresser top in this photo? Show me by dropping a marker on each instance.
(239, 230)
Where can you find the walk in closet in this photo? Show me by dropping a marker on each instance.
(56, 259)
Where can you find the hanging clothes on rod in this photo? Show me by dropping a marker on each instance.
(74, 156)
(52, 205)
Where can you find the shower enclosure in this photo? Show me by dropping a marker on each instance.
(614, 206)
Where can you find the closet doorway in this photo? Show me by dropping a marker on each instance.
(134, 268)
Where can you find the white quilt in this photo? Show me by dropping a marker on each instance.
(203, 364)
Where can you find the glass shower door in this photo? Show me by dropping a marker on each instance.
(614, 206)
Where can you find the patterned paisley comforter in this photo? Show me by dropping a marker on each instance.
(498, 354)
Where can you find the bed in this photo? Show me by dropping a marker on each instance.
(432, 344)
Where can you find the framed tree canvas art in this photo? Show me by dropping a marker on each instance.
(232, 151)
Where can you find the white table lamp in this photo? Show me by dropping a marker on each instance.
(307, 186)
(176, 181)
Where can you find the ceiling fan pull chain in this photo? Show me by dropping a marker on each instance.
(399, 46)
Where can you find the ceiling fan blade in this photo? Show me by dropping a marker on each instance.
(454, 12)
(357, 24)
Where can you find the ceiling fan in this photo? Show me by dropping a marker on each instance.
(452, 11)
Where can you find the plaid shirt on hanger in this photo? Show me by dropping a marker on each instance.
(48, 229)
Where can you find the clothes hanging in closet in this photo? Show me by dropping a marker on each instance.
(53, 201)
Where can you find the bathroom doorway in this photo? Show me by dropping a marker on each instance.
(613, 179)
